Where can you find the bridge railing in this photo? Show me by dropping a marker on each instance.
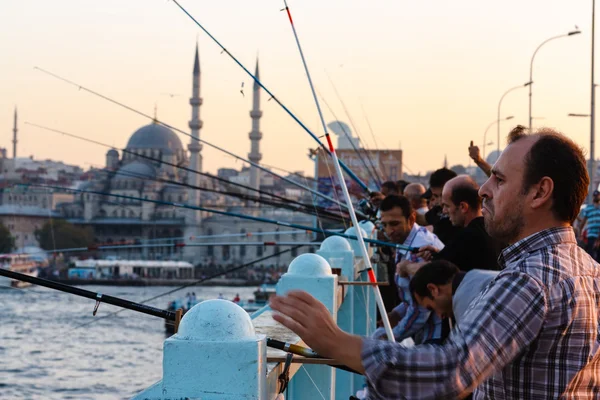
(220, 352)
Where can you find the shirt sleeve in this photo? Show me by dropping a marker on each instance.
(495, 329)
(413, 321)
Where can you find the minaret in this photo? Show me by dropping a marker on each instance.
(15, 135)
(255, 134)
(194, 147)
(445, 160)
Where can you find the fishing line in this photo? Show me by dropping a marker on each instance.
(354, 127)
(169, 164)
(184, 133)
(195, 283)
(286, 109)
(231, 214)
(361, 241)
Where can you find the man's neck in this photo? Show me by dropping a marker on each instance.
(471, 216)
(538, 224)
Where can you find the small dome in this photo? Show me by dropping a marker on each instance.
(136, 170)
(216, 321)
(493, 157)
(335, 243)
(112, 153)
(309, 264)
(155, 137)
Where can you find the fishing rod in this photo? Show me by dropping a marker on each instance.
(371, 130)
(232, 214)
(307, 208)
(287, 110)
(141, 308)
(354, 127)
(194, 283)
(166, 162)
(361, 242)
(347, 134)
(191, 136)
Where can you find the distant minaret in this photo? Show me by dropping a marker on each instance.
(255, 134)
(195, 125)
(445, 160)
(15, 135)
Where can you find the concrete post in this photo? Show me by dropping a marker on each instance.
(312, 273)
(338, 252)
(216, 355)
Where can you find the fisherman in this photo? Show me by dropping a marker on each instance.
(398, 222)
(533, 332)
(472, 247)
(442, 226)
(443, 288)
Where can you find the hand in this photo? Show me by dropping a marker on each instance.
(426, 252)
(310, 319)
(393, 317)
(474, 152)
(409, 269)
(401, 268)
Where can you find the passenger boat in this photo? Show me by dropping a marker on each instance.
(22, 263)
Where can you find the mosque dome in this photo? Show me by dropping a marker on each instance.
(136, 170)
(493, 157)
(155, 137)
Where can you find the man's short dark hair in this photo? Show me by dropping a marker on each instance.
(556, 156)
(438, 272)
(402, 184)
(467, 192)
(439, 177)
(393, 201)
(391, 186)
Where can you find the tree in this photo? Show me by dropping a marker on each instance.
(60, 234)
(7, 241)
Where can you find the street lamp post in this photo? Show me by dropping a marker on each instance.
(499, 105)
(592, 112)
(488, 128)
(530, 83)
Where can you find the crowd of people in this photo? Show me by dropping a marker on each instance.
(497, 294)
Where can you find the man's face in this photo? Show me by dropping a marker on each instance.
(503, 196)
(440, 301)
(455, 213)
(436, 197)
(395, 225)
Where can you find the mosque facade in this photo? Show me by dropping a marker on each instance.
(149, 169)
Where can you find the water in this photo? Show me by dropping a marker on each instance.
(43, 357)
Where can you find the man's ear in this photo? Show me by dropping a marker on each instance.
(542, 193)
(463, 206)
(433, 289)
(412, 218)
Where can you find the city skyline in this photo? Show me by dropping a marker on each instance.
(428, 75)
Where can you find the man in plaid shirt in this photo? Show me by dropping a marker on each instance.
(533, 333)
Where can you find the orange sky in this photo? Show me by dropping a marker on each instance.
(429, 74)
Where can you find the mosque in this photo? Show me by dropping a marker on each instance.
(121, 220)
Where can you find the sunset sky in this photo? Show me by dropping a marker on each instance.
(428, 74)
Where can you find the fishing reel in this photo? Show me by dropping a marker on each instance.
(368, 209)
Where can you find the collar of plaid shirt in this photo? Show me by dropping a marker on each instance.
(532, 333)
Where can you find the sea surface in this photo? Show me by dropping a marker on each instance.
(46, 354)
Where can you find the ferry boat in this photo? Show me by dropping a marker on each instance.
(22, 263)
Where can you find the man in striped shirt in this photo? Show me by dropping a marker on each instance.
(533, 333)
(590, 222)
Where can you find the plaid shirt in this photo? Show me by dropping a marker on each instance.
(533, 333)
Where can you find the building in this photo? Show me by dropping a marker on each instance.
(140, 172)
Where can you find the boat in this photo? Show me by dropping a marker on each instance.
(261, 298)
(21, 263)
